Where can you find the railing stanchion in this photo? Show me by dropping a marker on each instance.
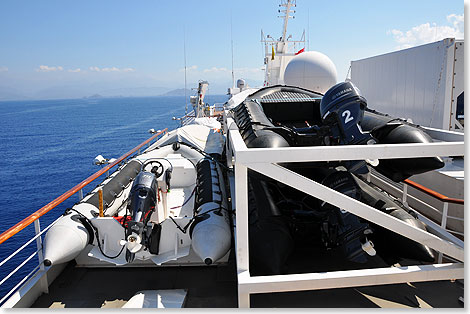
(405, 194)
(445, 210)
(80, 194)
(37, 230)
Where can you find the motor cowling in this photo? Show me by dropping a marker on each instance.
(342, 108)
(142, 197)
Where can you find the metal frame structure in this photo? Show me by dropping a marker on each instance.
(443, 212)
(265, 161)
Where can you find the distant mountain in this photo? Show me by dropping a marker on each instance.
(178, 92)
(95, 96)
(134, 91)
(8, 93)
(62, 92)
(78, 91)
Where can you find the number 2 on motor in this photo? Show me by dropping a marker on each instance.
(347, 116)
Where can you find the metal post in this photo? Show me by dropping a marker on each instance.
(241, 202)
(80, 194)
(405, 194)
(43, 281)
(228, 152)
(242, 245)
(243, 290)
(445, 210)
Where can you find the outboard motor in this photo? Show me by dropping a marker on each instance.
(341, 228)
(342, 108)
(142, 204)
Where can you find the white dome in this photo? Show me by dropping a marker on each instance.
(311, 70)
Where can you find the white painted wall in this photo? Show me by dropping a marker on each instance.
(418, 83)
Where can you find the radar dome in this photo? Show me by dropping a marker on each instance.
(311, 70)
(241, 83)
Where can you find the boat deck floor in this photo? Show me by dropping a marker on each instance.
(216, 287)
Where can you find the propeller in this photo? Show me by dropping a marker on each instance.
(368, 247)
(132, 243)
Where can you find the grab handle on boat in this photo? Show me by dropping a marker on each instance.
(100, 201)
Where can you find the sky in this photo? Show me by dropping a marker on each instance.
(91, 46)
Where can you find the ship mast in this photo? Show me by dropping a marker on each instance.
(286, 17)
(278, 52)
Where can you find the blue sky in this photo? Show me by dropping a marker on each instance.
(106, 44)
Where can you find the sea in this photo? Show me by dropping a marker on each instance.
(48, 147)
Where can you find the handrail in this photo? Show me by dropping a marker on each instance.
(434, 194)
(45, 209)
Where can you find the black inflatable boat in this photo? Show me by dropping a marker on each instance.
(284, 116)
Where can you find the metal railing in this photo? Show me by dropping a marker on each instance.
(445, 208)
(400, 190)
(218, 110)
(34, 218)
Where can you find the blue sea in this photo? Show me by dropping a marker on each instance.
(48, 146)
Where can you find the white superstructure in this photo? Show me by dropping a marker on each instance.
(423, 83)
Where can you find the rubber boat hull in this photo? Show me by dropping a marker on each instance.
(253, 125)
(272, 233)
(69, 235)
(115, 186)
(270, 239)
(210, 231)
(388, 130)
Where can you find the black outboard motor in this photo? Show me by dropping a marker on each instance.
(342, 108)
(143, 195)
(341, 228)
(142, 204)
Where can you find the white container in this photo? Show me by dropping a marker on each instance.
(421, 83)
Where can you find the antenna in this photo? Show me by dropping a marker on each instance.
(308, 29)
(184, 51)
(287, 11)
(231, 43)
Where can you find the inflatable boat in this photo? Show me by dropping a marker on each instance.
(165, 204)
(280, 216)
